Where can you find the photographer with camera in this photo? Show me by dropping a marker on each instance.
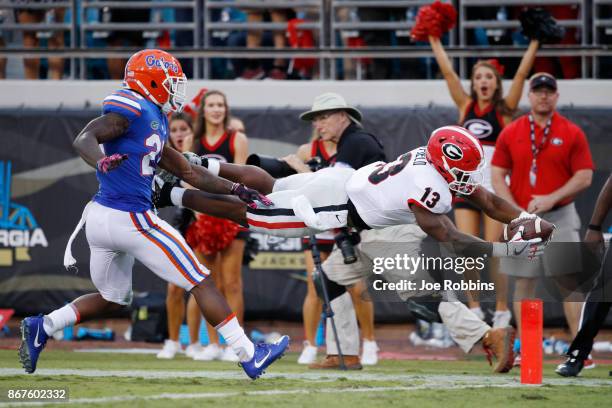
(316, 154)
(335, 122)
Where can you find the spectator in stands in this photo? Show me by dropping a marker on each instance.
(181, 138)
(484, 112)
(124, 38)
(184, 38)
(604, 36)
(2, 62)
(548, 161)
(254, 69)
(494, 36)
(564, 67)
(30, 40)
(222, 251)
(2, 45)
(382, 68)
(324, 152)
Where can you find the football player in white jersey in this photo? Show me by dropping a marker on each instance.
(418, 188)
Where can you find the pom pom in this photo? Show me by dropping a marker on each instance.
(434, 20)
(538, 24)
(497, 65)
(210, 235)
(425, 24)
(448, 15)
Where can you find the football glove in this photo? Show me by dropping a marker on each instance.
(161, 192)
(249, 196)
(517, 247)
(108, 163)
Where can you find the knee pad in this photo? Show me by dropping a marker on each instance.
(117, 297)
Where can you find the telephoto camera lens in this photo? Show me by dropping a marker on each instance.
(345, 243)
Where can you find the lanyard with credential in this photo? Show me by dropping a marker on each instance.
(535, 150)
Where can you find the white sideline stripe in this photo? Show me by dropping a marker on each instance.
(174, 396)
(434, 379)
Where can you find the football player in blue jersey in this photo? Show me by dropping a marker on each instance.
(120, 225)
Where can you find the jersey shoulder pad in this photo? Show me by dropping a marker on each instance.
(430, 191)
(124, 102)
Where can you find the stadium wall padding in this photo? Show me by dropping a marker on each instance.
(50, 186)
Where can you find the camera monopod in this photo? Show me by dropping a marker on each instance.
(317, 278)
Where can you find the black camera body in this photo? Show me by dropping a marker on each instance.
(346, 241)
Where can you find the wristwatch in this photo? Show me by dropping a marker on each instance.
(593, 227)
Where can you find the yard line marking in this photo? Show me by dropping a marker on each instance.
(449, 379)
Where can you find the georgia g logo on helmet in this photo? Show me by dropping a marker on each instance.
(458, 156)
(452, 151)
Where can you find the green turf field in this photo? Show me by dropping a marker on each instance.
(122, 380)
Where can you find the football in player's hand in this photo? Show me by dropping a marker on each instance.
(532, 228)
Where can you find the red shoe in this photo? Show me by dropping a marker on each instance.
(589, 363)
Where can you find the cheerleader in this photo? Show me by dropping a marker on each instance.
(219, 243)
(181, 138)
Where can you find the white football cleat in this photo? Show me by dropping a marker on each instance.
(229, 355)
(417, 340)
(169, 350)
(308, 355)
(369, 354)
(209, 353)
(193, 349)
(501, 319)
